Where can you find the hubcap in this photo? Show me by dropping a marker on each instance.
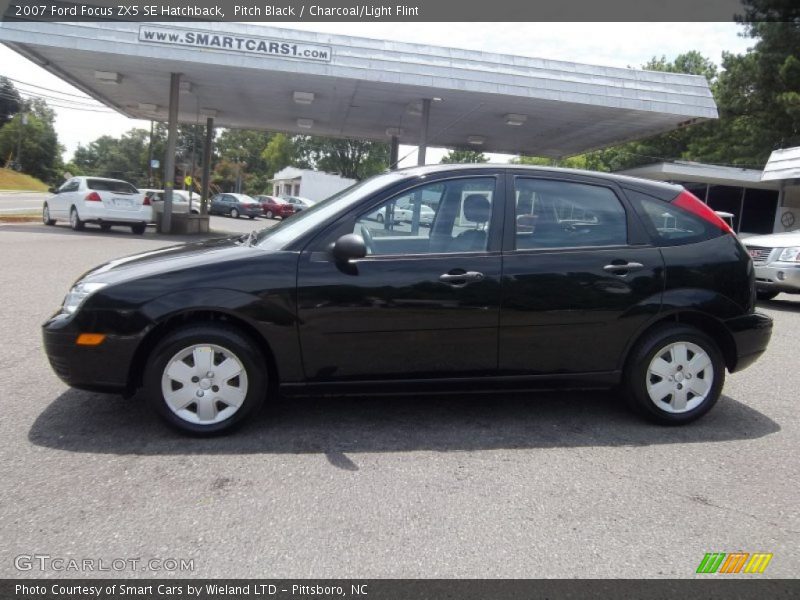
(204, 384)
(73, 218)
(46, 214)
(679, 377)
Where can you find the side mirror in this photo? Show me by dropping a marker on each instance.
(349, 247)
(52, 190)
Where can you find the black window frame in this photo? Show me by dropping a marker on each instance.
(319, 244)
(637, 235)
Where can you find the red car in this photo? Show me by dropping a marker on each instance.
(275, 207)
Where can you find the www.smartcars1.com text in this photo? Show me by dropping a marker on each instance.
(154, 11)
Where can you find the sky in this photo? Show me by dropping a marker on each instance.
(607, 44)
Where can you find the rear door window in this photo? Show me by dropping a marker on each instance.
(563, 214)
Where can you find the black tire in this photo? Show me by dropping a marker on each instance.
(46, 215)
(75, 220)
(139, 228)
(766, 295)
(234, 213)
(227, 338)
(270, 215)
(251, 217)
(654, 342)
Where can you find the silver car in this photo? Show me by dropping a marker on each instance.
(776, 259)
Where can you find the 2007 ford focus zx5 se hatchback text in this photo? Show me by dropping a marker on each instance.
(525, 278)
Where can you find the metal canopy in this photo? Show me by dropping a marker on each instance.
(365, 88)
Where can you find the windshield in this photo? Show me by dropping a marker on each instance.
(285, 232)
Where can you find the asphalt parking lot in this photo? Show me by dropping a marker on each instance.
(518, 485)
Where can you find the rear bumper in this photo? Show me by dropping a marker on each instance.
(778, 277)
(104, 368)
(751, 334)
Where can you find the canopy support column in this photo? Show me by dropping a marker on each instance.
(207, 165)
(169, 159)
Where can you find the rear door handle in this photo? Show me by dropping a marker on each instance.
(461, 279)
(623, 268)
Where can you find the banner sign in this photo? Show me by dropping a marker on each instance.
(209, 40)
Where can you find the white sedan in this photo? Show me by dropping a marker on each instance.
(105, 202)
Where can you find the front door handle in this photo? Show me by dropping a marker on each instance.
(623, 268)
(461, 279)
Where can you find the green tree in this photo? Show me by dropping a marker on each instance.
(10, 100)
(243, 148)
(33, 131)
(464, 156)
(351, 158)
(281, 152)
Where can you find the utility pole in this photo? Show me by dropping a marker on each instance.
(23, 124)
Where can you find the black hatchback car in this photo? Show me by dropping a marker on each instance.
(526, 278)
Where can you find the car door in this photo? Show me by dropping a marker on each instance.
(423, 304)
(580, 278)
(218, 205)
(67, 196)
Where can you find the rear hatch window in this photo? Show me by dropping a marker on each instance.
(117, 187)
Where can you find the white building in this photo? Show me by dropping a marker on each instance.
(306, 183)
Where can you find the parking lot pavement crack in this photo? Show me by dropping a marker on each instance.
(696, 498)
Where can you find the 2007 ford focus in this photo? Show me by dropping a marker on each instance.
(522, 278)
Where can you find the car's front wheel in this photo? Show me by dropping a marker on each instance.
(46, 216)
(234, 213)
(675, 374)
(270, 215)
(205, 379)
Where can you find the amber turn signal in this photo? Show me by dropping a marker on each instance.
(90, 339)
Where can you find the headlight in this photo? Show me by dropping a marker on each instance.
(78, 294)
(790, 254)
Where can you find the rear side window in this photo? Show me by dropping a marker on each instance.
(561, 214)
(669, 224)
(118, 187)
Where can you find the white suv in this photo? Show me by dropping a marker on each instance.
(98, 200)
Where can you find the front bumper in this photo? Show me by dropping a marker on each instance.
(104, 368)
(751, 334)
(778, 277)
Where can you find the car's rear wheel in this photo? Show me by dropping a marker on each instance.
(139, 228)
(46, 216)
(270, 215)
(205, 379)
(234, 213)
(75, 220)
(674, 375)
(766, 295)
